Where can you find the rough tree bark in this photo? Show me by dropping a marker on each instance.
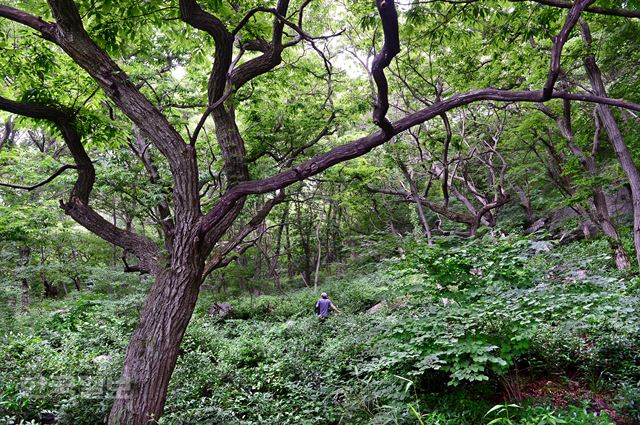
(153, 348)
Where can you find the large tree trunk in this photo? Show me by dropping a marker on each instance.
(153, 347)
(615, 137)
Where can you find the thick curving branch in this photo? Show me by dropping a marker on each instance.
(45, 29)
(625, 13)
(272, 55)
(365, 144)
(390, 48)
(78, 204)
(84, 166)
(69, 34)
(192, 14)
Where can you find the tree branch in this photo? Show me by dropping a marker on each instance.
(270, 58)
(68, 33)
(218, 260)
(78, 205)
(626, 13)
(365, 144)
(390, 48)
(435, 207)
(559, 42)
(45, 29)
(43, 182)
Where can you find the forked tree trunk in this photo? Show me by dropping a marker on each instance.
(153, 348)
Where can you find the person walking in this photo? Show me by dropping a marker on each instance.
(324, 306)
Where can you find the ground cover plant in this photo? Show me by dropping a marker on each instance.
(521, 345)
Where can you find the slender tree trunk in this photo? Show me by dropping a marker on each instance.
(49, 289)
(338, 233)
(619, 255)
(25, 254)
(525, 203)
(290, 271)
(601, 215)
(7, 135)
(242, 281)
(114, 217)
(275, 262)
(306, 248)
(416, 199)
(258, 263)
(328, 256)
(565, 184)
(319, 255)
(76, 283)
(75, 278)
(615, 137)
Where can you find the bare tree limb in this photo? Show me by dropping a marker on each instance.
(43, 182)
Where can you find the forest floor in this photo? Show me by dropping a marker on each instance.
(509, 332)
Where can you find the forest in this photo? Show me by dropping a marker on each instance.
(185, 183)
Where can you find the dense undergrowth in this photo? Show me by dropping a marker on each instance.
(512, 331)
